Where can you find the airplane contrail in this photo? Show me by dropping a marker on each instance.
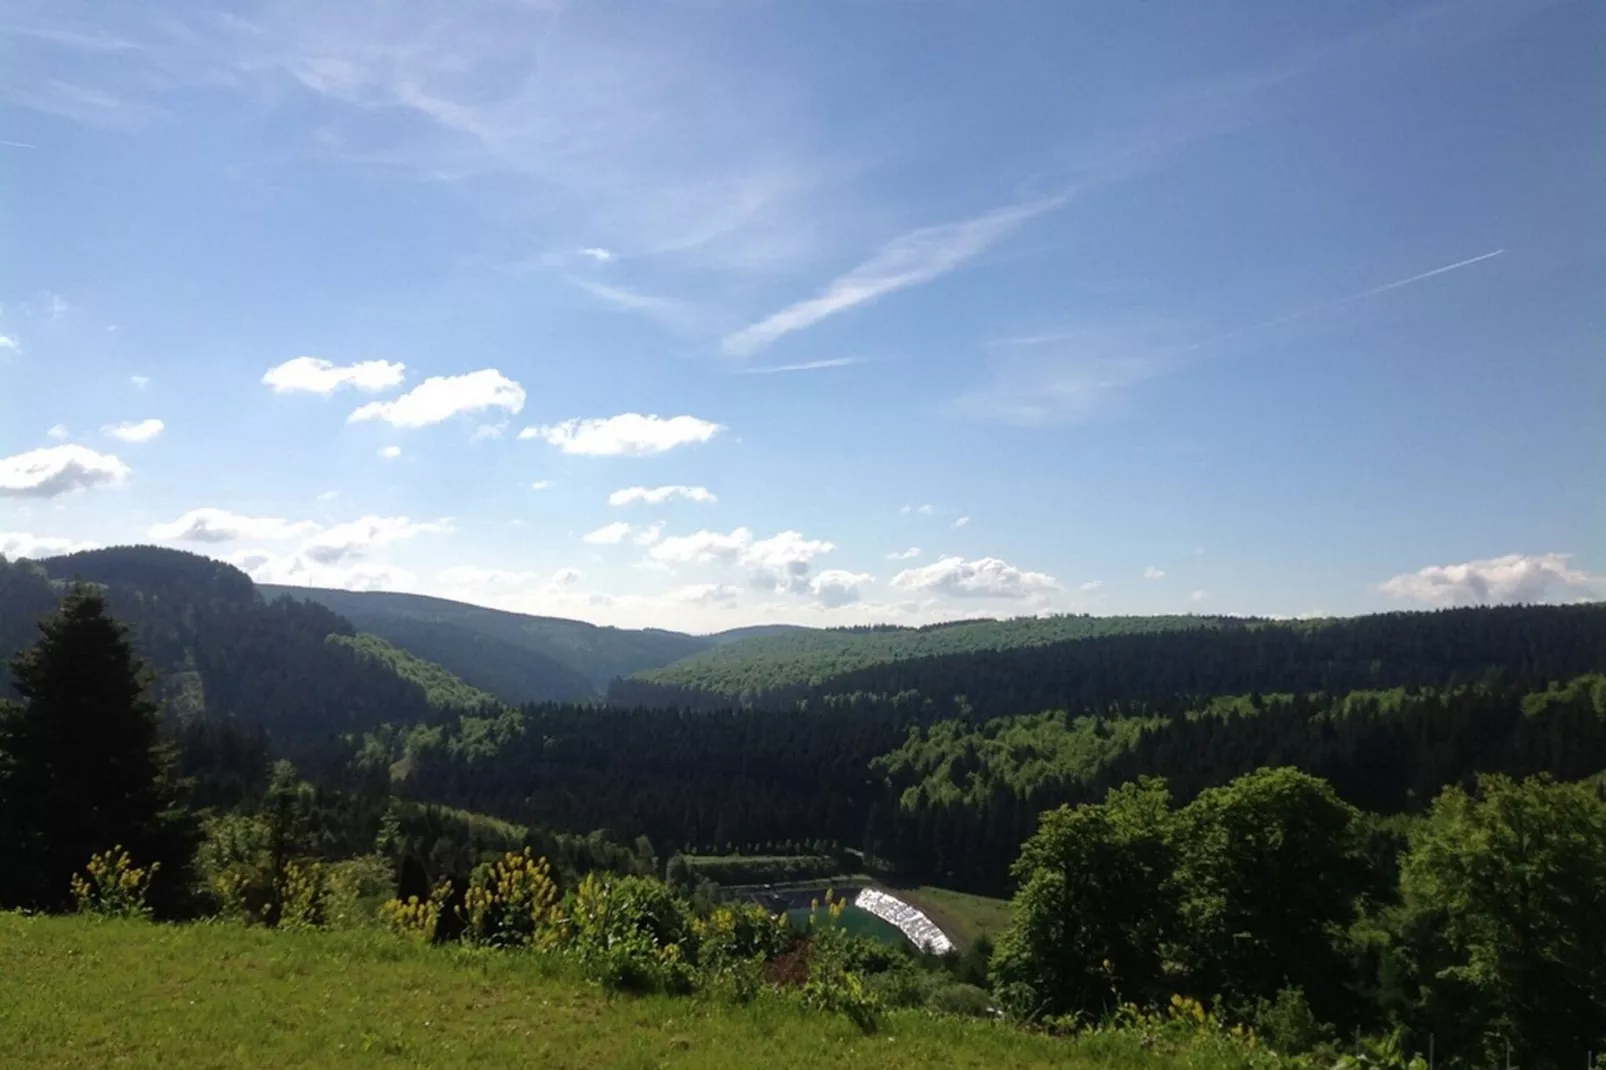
(18, 144)
(1338, 302)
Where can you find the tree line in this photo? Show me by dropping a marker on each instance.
(960, 798)
(1256, 890)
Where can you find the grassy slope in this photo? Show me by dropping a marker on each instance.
(77, 992)
(799, 658)
(440, 686)
(597, 653)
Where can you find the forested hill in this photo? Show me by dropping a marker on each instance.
(218, 649)
(768, 661)
(518, 657)
(1143, 665)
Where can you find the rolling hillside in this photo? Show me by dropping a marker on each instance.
(1025, 666)
(217, 649)
(770, 661)
(520, 658)
(441, 688)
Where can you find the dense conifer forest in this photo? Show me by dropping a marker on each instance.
(1386, 826)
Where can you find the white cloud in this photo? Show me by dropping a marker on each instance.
(629, 433)
(597, 253)
(986, 577)
(704, 546)
(470, 576)
(1091, 585)
(312, 375)
(140, 382)
(961, 522)
(358, 537)
(441, 397)
(608, 534)
(838, 587)
(908, 260)
(709, 594)
(648, 535)
(1199, 596)
(780, 562)
(541, 484)
(905, 555)
(58, 432)
(54, 470)
(390, 453)
(300, 570)
(142, 431)
(923, 510)
(15, 544)
(328, 495)
(1153, 573)
(8, 342)
(1507, 579)
(219, 525)
(659, 495)
(488, 431)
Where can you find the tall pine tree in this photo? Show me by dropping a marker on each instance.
(82, 766)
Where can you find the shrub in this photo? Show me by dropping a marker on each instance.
(112, 886)
(511, 902)
(832, 985)
(631, 933)
(967, 1001)
(416, 919)
(355, 889)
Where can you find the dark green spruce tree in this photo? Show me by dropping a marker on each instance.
(82, 765)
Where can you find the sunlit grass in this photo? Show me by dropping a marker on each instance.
(77, 992)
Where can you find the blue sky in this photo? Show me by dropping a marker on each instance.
(701, 313)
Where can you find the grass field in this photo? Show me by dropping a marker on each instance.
(78, 992)
(963, 917)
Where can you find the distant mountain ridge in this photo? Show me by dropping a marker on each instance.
(219, 650)
(516, 656)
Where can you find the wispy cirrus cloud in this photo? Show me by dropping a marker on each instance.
(908, 260)
(664, 310)
(802, 366)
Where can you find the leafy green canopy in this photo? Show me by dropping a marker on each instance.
(1505, 901)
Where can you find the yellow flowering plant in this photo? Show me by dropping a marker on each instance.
(113, 886)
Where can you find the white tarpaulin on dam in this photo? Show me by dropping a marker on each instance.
(920, 930)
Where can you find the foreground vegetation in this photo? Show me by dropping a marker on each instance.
(78, 992)
(1240, 904)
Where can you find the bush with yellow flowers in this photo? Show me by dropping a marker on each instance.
(734, 941)
(511, 903)
(416, 919)
(113, 886)
(300, 895)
